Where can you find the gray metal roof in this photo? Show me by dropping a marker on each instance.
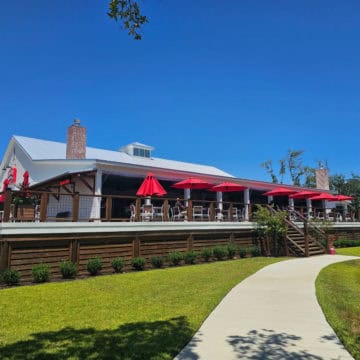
(50, 150)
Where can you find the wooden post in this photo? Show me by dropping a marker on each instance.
(230, 214)
(250, 211)
(190, 242)
(43, 207)
(136, 246)
(212, 211)
(75, 207)
(7, 205)
(108, 208)
(137, 209)
(306, 238)
(166, 210)
(75, 251)
(4, 255)
(189, 210)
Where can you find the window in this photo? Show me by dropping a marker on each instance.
(142, 152)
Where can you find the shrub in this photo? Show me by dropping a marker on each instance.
(255, 251)
(138, 263)
(40, 273)
(231, 250)
(220, 252)
(117, 264)
(346, 243)
(94, 266)
(11, 277)
(157, 261)
(242, 252)
(175, 257)
(206, 254)
(190, 257)
(68, 269)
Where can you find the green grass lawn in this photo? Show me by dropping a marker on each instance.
(144, 315)
(338, 292)
(355, 251)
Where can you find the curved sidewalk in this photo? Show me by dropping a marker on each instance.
(271, 315)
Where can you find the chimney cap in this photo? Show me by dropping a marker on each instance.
(76, 122)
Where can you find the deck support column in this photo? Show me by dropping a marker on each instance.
(246, 204)
(96, 211)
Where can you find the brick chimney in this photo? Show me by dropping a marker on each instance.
(76, 141)
(322, 178)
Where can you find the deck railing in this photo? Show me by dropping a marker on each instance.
(45, 206)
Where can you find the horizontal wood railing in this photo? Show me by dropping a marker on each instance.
(102, 208)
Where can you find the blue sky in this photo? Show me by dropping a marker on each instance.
(225, 83)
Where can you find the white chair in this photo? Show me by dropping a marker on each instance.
(206, 214)
(132, 212)
(158, 213)
(233, 214)
(197, 212)
(177, 214)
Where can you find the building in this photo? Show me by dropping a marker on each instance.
(72, 167)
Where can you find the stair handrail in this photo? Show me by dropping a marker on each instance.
(291, 224)
(309, 224)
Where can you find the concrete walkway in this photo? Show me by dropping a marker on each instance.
(273, 314)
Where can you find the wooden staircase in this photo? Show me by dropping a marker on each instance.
(300, 244)
(305, 240)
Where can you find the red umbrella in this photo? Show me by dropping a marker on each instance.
(344, 197)
(281, 191)
(25, 182)
(324, 196)
(228, 187)
(304, 195)
(192, 183)
(12, 175)
(150, 187)
(5, 186)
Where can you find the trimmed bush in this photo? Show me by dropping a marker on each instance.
(346, 243)
(220, 252)
(175, 257)
(40, 273)
(94, 266)
(68, 269)
(117, 264)
(231, 250)
(157, 261)
(242, 252)
(11, 277)
(190, 257)
(138, 263)
(254, 251)
(206, 254)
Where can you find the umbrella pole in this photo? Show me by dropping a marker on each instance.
(148, 200)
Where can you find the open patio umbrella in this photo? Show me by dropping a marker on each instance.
(228, 187)
(150, 186)
(192, 183)
(304, 194)
(324, 196)
(281, 191)
(344, 197)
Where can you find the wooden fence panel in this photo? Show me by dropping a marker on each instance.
(113, 249)
(24, 259)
